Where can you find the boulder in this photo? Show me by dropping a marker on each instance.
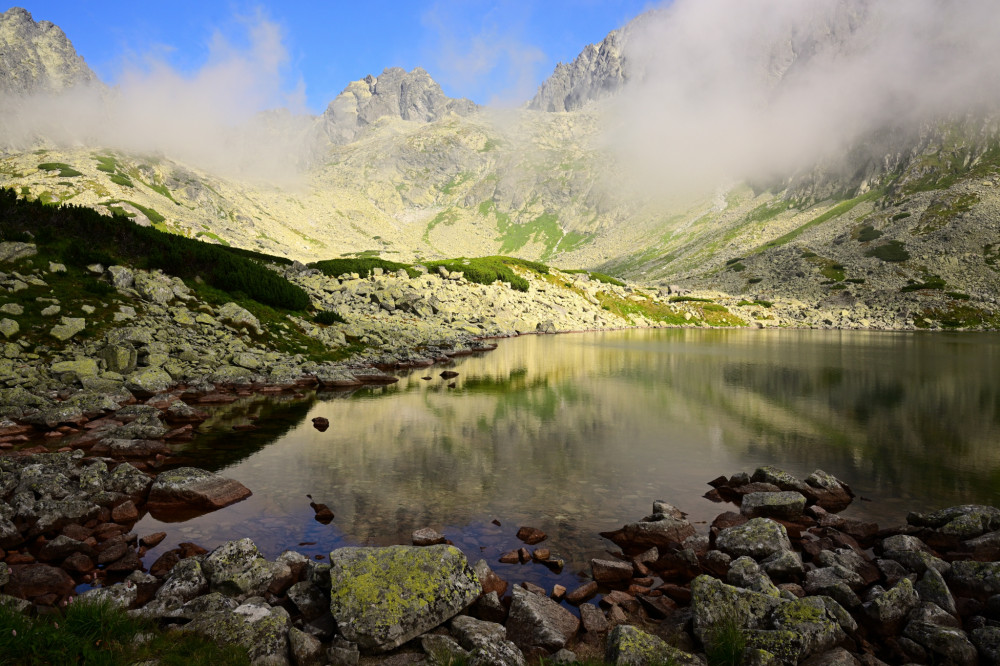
(154, 287)
(237, 317)
(945, 644)
(257, 627)
(485, 642)
(746, 573)
(887, 611)
(69, 327)
(933, 588)
(664, 533)
(535, 621)
(758, 538)
(786, 505)
(965, 522)
(237, 569)
(383, 597)
(121, 277)
(120, 358)
(9, 327)
(780, 478)
(35, 580)
(186, 581)
(15, 251)
(231, 375)
(188, 490)
(149, 381)
(628, 646)
(828, 491)
(817, 620)
(712, 601)
(611, 571)
(987, 641)
(977, 579)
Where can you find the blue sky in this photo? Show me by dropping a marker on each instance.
(495, 51)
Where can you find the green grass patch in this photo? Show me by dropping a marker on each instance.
(900, 216)
(103, 634)
(932, 282)
(768, 211)
(487, 270)
(838, 210)
(958, 295)
(725, 643)
(600, 277)
(363, 266)
(65, 170)
(153, 216)
(893, 251)
(119, 179)
(958, 315)
(738, 267)
(216, 238)
(107, 164)
(868, 233)
(689, 299)
(544, 229)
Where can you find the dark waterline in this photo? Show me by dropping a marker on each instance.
(576, 434)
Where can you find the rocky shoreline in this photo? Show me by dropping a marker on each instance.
(800, 583)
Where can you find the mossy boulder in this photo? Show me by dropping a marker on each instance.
(383, 597)
(978, 579)
(965, 522)
(237, 569)
(261, 629)
(787, 505)
(888, 610)
(712, 601)
(535, 621)
(758, 538)
(817, 621)
(628, 646)
(148, 381)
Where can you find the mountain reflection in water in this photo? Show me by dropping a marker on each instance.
(575, 434)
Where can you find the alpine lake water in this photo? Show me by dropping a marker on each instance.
(577, 434)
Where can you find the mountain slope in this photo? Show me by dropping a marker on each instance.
(37, 57)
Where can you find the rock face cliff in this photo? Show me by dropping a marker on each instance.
(599, 71)
(395, 93)
(37, 56)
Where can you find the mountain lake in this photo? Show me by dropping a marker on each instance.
(577, 434)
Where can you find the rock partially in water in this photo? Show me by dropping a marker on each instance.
(188, 491)
(383, 597)
(536, 621)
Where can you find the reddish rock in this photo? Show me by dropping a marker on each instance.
(448, 374)
(126, 512)
(20, 558)
(728, 519)
(189, 549)
(619, 598)
(189, 491)
(610, 572)
(657, 607)
(636, 590)
(534, 589)
(130, 562)
(78, 563)
(321, 423)
(616, 616)
(78, 532)
(558, 592)
(491, 582)
(106, 531)
(540, 554)
(678, 593)
(582, 593)
(530, 535)
(164, 563)
(153, 540)
(510, 557)
(111, 551)
(523, 555)
(323, 513)
(29, 581)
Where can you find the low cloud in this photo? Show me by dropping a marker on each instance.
(210, 119)
(494, 64)
(728, 89)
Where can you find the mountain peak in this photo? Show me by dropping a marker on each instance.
(394, 93)
(37, 56)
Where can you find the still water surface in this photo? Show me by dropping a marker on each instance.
(575, 434)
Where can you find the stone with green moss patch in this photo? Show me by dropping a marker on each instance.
(757, 538)
(815, 620)
(383, 597)
(259, 628)
(713, 601)
(628, 646)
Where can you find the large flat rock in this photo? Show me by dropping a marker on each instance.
(186, 491)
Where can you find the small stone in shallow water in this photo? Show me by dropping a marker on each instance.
(321, 423)
(427, 536)
(448, 374)
(531, 535)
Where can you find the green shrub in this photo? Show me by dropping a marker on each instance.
(486, 270)
(327, 317)
(83, 236)
(958, 295)
(65, 170)
(932, 282)
(868, 233)
(893, 251)
(363, 266)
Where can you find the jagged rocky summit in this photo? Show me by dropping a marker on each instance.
(37, 56)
